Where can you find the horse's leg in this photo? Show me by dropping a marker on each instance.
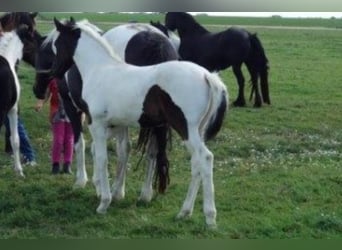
(81, 174)
(99, 135)
(13, 122)
(201, 169)
(122, 150)
(96, 175)
(240, 101)
(146, 193)
(254, 78)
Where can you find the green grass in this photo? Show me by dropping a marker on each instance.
(277, 169)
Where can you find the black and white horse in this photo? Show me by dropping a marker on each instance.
(12, 46)
(218, 51)
(139, 44)
(120, 94)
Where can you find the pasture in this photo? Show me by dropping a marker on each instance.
(277, 169)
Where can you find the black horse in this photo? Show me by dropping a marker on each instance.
(218, 51)
(144, 48)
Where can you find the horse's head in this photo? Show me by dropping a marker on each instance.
(173, 38)
(184, 23)
(176, 20)
(44, 57)
(29, 42)
(64, 45)
(12, 20)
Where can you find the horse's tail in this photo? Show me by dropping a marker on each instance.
(153, 141)
(261, 63)
(213, 118)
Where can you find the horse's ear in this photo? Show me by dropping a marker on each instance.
(33, 15)
(58, 24)
(72, 20)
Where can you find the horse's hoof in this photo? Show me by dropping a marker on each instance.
(212, 226)
(101, 210)
(20, 173)
(79, 185)
(118, 196)
(184, 215)
(239, 104)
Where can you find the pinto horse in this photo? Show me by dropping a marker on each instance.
(139, 44)
(218, 51)
(12, 20)
(12, 45)
(120, 94)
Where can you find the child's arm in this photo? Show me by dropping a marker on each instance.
(40, 102)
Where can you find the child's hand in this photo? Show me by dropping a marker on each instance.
(39, 105)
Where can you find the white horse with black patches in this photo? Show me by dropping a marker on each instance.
(138, 44)
(119, 94)
(12, 46)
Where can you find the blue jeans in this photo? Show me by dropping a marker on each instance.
(25, 146)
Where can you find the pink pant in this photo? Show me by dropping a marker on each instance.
(63, 142)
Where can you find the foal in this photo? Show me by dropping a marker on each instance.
(12, 45)
(119, 94)
(138, 44)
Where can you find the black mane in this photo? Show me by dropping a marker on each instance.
(184, 23)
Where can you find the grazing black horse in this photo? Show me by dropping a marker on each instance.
(218, 51)
(144, 48)
(11, 20)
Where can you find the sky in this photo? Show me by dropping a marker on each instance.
(282, 14)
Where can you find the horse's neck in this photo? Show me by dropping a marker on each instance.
(91, 53)
(191, 29)
(11, 48)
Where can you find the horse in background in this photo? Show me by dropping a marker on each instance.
(146, 96)
(12, 46)
(11, 20)
(218, 51)
(137, 44)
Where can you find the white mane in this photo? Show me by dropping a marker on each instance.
(90, 29)
(8, 42)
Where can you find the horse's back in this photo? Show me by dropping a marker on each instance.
(217, 51)
(148, 48)
(119, 36)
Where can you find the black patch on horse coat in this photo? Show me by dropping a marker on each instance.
(8, 93)
(159, 114)
(148, 48)
(158, 109)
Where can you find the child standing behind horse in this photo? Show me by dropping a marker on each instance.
(63, 137)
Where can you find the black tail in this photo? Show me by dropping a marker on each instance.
(261, 62)
(160, 135)
(216, 124)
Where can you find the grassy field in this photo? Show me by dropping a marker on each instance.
(277, 172)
